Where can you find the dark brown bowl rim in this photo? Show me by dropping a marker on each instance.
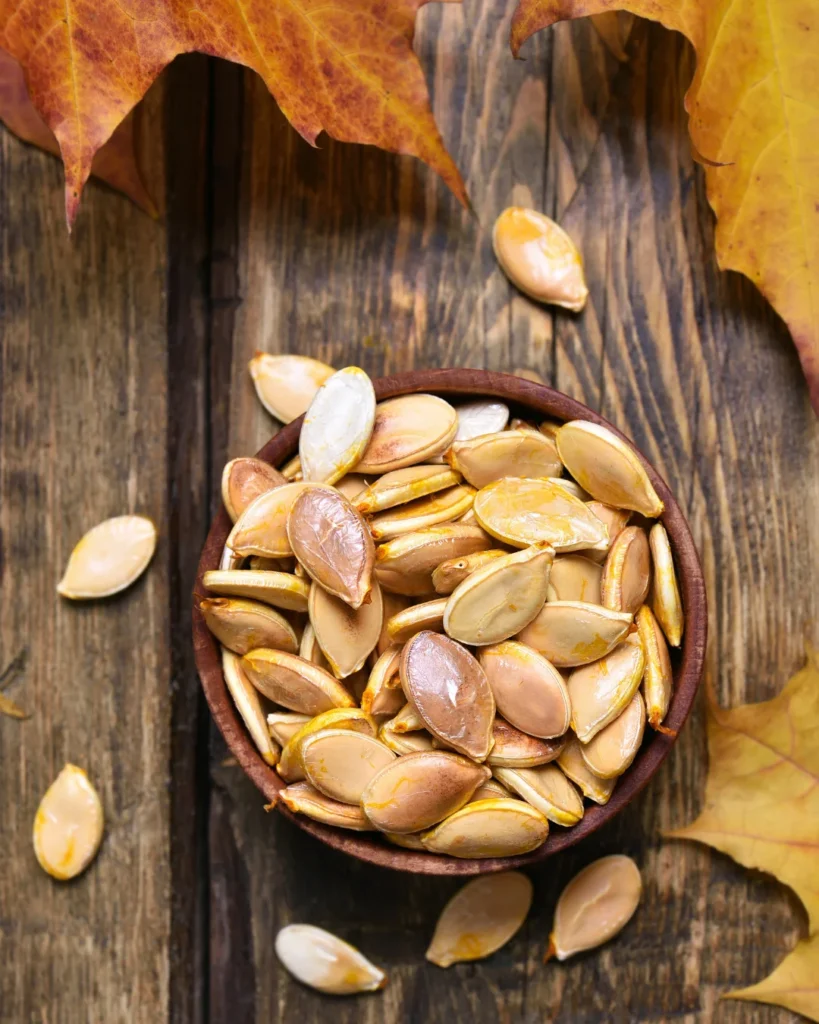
(548, 403)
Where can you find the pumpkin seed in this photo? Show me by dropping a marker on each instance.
(489, 828)
(230, 560)
(340, 763)
(404, 585)
(283, 725)
(292, 470)
(627, 572)
(515, 749)
(529, 691)
(332, 542)
(383, 694)
(510, 453)
(449, 574)
(393, 604)
(415, 791)
(352, 486)
(497, 601)
(410, 841)
(410, 560)
(608, 468)
(572, 633)
(450, 691)
(405, 624)
(109, 558)
(665, 596)
(309, 648)
(262, 528)
(571, 487)
(547, 789)
(480, 918)
(539, 258)
(550, 428)
(599, 692)
(291, 763)
(518, 424)
(282, 589)
(408, 430)
(468, 517)
(338, 426)
(403, 485)
(261, 564)
(491, 790)
(441, 507)
(346, 635)
(615, 520)
(296, 684)
(287, 384)
(68, 825)
(246, 699)
(522, 512)
(302, 798)
(404, 742)
(322, 961)
(613, 749)
(570, 761)
(597, 904)
(407, 719)
(483, 416)
(658, 679)
(243, 480)
(574, 578)
(243, 625)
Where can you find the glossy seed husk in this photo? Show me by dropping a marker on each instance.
(529, 691)
(571, 633)
(599, 692)
(512, 748)
(246, 698)
(608, 468)
(68, 825)
(417, 790)
(283, 589)
(571, 763)
(453, 571)
(665, 596)
(575, 578)
(332, 542)
(294, 683)
(627, 571)
(337, 426)
(242, 625)
(408, 430)
(109, 557)
(658, 679)
(441, 507)
(427, 615)
(614, 519)
(407, 719)
(287, 384)
(262, 528)
(597, 904)
(309, 648)
(404, 742)
(406, 564)
(383, 694)
(243, 480)
(341, 762)
(492, 790)
(291, 470)
(496, 601)
(480, 918)
(405, 485)
(489, 828)
(346, 635)
(352, 486)
(291, 763)
(283, 725)
(521, 453)
(547, 789)
(302, 798)
(321, 960)
(483, 416)
(611, 751)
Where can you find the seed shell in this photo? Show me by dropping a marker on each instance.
(68, 825)
(246, 698)
(597, 904)
(515, 749)
(572, 633)
(489, 828)
(428, 615)
(321, 960)
(242, 625)
(408, 430)
(571, 763)
(665, 597)
(309, 648)
(575, 578)
(483, 416)
(341, 763)
(109, 558)
(409, 561)
(510, 453)
(282, 589)
(529, 691)
(287, 384)
(611, 751)
(615, 520)
(547, 789)
(243, 480)
(658, 679)
(337, 426)
(302, 798)
(346, 635)
(383, 694)
(404, 485)
(352, 486)
(453, 571)
(404, 742)
(627, 572)
(294, 683)
(442, 507)
(283, 725)
(291, 763)
(262, 528)
(600, 691)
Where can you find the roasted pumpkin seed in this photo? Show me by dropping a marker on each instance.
(262, 528)
(341, 762)
(483, 416)
(404, 485)
(283, 725)
(574, 578)
(627, 572)
(321, 960)
(510, 453)
(302, 798)
(572, 633)
(291, 470)
(529, 691)
(287, 384)
(309, 648)
(449, 574)
(547, 789)
(408, 430)
(608, 468)
(515, 749)
(109, 558)
(68, 825)
(658, 679)
(246, 698)
(480, 918)
(611, 751)
(294, 683)
(489, 828)
(571, 763)
(282, 589)
(352, 486)
(665, 595)
(243, 480)
(491, 790)
(242, 625)
(346, 635)
(442, 507)
(600, 692)
(409, 561)
(428, 615)
(337, 426)
(404, 742)
(383, 694)
(615, 520)
(291, 763)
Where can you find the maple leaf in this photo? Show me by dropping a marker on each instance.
(754, 120)
(115, 163)
(762, 808)
(346, 68)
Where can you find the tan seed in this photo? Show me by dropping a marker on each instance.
(665, 597)
(346, 635)
(615, 520)
(322, 961)
(489, 828)
(658, 679)
(492, 790)
(302, 798)
(529, 691)
(600, 691)
(403, 485)
(608, 468)
(109, 558)
(262, 528)
(408, 430)
(415, 791)
(539, 258)
(242, 625)
(291, 762)
(428, 615)
(627, 572)
(455, 570)
(68, 825)
(243, 480)
(331, 540)
(282, 589)
(352, 486)
(521, 512)
(246, 698)
(283, 725)
(337, 426)
(480, 918)
(341, 763)
(497, 601)
(523, 453)
(443, 507)
(393, 604)
(404, 742)
(383, 694)
(574, 578)
(611, 751)
(450, 691)
(409, 561)
(515, 749)
(292, 470)
(550, 428)
(296, 684)
(547, 789)
(310, 649)
(286, 384)
(570, 761)
(407, 719)
(597, 904)
(572, 633)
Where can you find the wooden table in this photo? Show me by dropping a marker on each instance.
(125, 387)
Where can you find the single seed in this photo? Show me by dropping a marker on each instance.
(346, 635)
(403, 485)
(243, 480)
(242, 625)
(571, 763)
(489, 828)
(665, 597)
(404, 742)
(599, 692)
(574, 578)
(658, 679)
(449, 574)
(291, 762)
(352, 486)
(615, 520)
(483, 416)
(383, 694)
(341, 763)
(572, 633)
(310, 649)
(292, 470)
(529, 691)
(407, 719)
(409, 561)
(492, 790)
(443, 507)
(627, 572)
(296, 684)
(408, 430)
(284, 725)
(547, 789)
(322, 961)
(480, 918)
(550, 428)
(337, 426)
(287, 384)
(611, 751)
(246, 698)
(539, 258)
(282, 589)
(428, 615)
(262, 528)
(510, 453)
(608, 468)
(68, 825)
(230, 560)
(109, 558)
(302, 798)
(515, 749)
(571, 487)
(597, 904)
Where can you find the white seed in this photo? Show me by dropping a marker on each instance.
(665, 597)
(246, 698)
(408, 430)
(337, 426)
(109, 558)
(68, 825)
(428, 615)
(547, 789)
(324, 962)
(480, 918)
(572, 633)
(489, 828)
(287, 384)
(483, 416)
(597, 904)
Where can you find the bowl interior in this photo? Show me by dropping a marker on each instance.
(528, 400)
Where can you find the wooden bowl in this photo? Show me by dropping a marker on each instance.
(538, 402)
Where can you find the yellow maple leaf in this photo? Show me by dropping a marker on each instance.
(754, 120)
(762, 808)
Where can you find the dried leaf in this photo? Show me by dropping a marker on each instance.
(753, 123)
(346, 68)
(794, 983)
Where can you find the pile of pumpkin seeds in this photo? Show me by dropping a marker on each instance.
(460, 625)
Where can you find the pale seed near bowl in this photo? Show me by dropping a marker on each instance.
(451, 617)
